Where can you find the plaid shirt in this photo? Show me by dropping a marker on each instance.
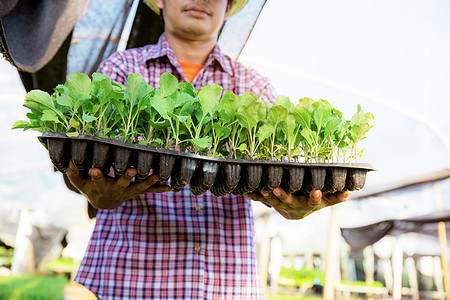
(176, 245)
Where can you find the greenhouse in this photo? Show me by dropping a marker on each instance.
(389, 59)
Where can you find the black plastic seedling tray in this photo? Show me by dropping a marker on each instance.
(202, 173)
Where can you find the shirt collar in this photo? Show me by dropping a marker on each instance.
(163, 48)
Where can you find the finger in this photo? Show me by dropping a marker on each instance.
(74, 176)
(337, 197)
(97, 177)
(142, 186)
(343, 196)
(271, 199)
(150, 185)
(315, 197)
(255, 196)
(158, 189)
(284, 197)
(124, 181)
(258, 197)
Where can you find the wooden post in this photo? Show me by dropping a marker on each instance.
(369, 264)
(387, 274)
(397, 265)
(443, 241)
(442, 231)
(332, 272)
(23, 258)
(345, 263)
(437, 274)
(264, 252)
(412, 276)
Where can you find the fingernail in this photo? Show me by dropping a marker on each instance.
(316, 194)
(264, 193)
(95, 173)
(276, 193)
(346, 196)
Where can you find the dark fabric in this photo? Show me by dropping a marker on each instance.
(6, 6)
(360, 237)
(51, 74)
(146, 29)
(4, 51)
(35, 30)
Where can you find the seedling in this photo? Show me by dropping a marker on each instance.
(209, 121)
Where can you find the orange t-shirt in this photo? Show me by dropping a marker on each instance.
(190, 70)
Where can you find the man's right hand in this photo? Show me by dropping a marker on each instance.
(106, 192)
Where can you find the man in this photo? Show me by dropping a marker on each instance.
(150, 242)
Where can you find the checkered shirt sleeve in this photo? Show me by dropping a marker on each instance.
(176, 245)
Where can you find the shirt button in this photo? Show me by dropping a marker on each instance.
(198, 208)
(197, 248)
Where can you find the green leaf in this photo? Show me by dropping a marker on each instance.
(308, 135)
(332, 126)
(81, 102)
(50, 115)
(20, 124)
(202, 143)
(187, 109)
(37, 98)
(277, 114)
(182, 99)
(159, 124)
(118, 104)
(180, 118)
(79, 83)
(133, 89)
(261, 111)
(321, 115)
(163, 106)
(74, 123)
(168, 84)
(307, 103)
(228, 106)
(221, 131)
(265, 131)
(64, 100)
(288, 127)
(72, 134)
(87, 118)
(32, 116)
(247, 99)
(285, 102)
(247, 117)
(242, 147)
(209, 97)
(297, 150)
(302, 116)
(187, 88)
(105, 89)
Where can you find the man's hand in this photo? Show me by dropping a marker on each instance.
(107, 192)
(295, 207)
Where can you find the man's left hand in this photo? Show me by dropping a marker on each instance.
(294, 207)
